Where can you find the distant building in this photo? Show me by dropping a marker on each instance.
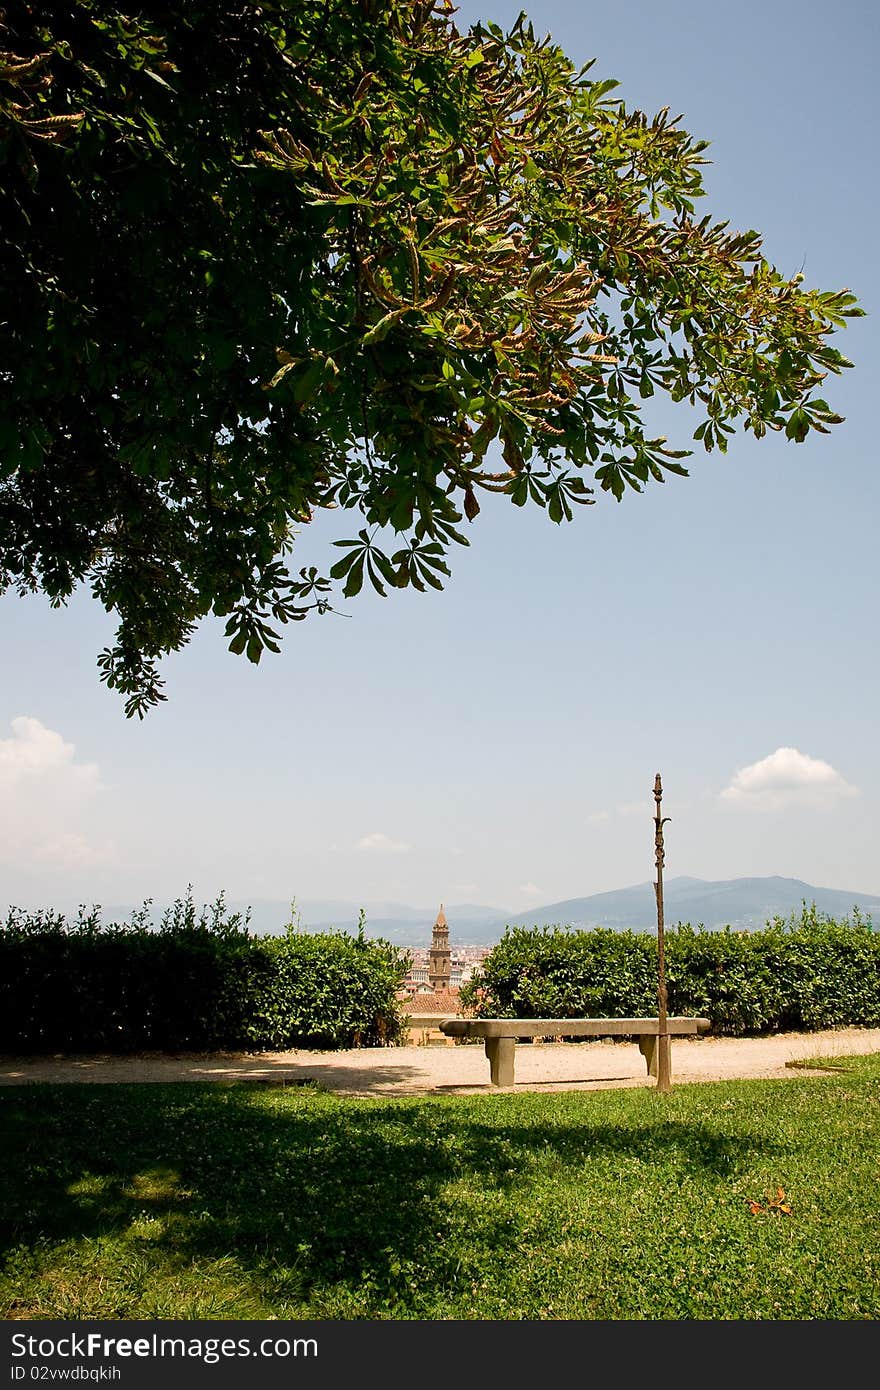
(425, 1013)
(429, 965)
(418, 977)
(431, 988)
(440, 956)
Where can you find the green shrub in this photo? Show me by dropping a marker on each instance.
(329, 990)
(804, 973)
(552, 972)
(198, 982)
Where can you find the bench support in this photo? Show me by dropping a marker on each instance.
(649, 1046)
(500, 1054)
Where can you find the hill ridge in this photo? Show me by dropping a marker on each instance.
(743, 903)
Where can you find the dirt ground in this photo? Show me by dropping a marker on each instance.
(446, 1069)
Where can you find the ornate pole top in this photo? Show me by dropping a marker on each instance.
(659, 822)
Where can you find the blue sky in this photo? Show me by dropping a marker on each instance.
(497, 743)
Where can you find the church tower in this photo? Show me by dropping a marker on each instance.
(439, 958)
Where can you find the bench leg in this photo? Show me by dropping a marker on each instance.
(649, 1046)
(500, 1054)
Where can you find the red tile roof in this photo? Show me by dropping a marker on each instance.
(444, 1001)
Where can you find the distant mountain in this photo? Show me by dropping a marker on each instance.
(744, 903)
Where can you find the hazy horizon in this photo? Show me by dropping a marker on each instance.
(679, 889)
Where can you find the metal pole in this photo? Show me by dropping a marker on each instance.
(663, 1066)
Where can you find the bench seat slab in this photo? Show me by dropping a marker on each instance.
(568, 1027)
(500, 1035)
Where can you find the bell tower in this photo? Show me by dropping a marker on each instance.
(439, 958)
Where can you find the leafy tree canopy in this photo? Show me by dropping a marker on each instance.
(261, 259)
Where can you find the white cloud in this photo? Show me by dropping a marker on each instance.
(35, 752)
(71, 851)
(787, 778)
(597, 817)
(44, 798)
(377, 840)
(529, 890)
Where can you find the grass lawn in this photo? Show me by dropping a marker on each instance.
(245, 1201)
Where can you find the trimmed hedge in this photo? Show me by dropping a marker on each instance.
(193, 984)
(804, 973)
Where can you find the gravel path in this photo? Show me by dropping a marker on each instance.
(459, 1070)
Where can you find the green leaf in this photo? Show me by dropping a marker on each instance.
(148, 72)
(355, 581)
(518, 490)
(611, 480)
(306, 385)
(281, 374)
(425, 573)
(798, 426)
(343, 566)
(384, 566)
(381, 329)
(401, 517)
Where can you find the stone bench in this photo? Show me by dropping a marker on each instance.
(501, 1034)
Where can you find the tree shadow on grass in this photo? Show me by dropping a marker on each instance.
(333, 1193)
